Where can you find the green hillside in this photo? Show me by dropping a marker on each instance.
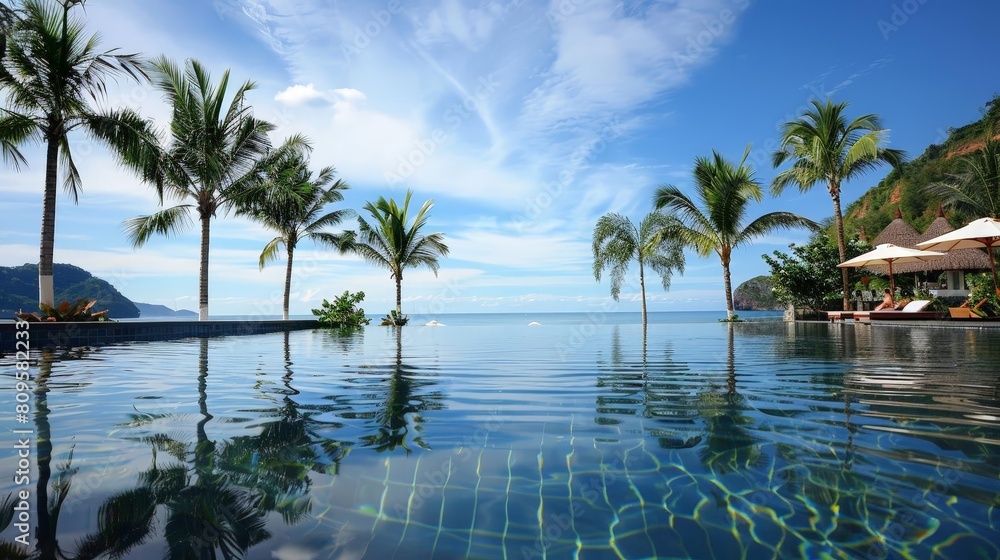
(903, 188)
(19, 290)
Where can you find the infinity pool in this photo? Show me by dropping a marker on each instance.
(573, 439)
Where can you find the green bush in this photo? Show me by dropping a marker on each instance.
(343, 313)
(394, 319)
(810, 277)
(981, 288)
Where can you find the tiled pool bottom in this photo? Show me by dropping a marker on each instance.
(561, 441)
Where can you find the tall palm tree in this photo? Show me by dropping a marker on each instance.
(826, 148)
(976, 189)
(391, 242)
(49, 70)
(723, 191)
(617, 243)
(213, 145)
(290, 200)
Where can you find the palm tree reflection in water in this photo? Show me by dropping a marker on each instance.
(399, 412)
(216, 497)
(204, 510)
(46, 543)
(729, 445)
(48, 509)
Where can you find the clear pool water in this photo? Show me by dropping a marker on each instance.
(573, 439)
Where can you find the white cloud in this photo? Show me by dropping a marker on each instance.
(299, 95)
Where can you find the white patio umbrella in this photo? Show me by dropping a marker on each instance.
(887, 253)
(984, 232)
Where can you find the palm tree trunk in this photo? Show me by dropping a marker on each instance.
(46, 291)
(642, 293)
(729, 290)
(399, 292)
(841, 244)
(288, 281)
(203, 270)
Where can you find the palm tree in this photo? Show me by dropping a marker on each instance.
(617, 242)
(213, 146)
(49, 69)
(723, 191)
(290, 200)
(390, 242)
(827, 148)
(977, 188)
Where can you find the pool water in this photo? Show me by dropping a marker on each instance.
(578, 438)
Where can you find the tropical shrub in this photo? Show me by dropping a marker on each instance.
(394, 319)
(810, 277)
(982, 297)
(343, 313)
(66, 312)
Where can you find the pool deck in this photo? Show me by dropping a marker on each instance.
(926, 321)
(63, 335)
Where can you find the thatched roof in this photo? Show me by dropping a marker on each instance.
(898, 232)
(962, 259)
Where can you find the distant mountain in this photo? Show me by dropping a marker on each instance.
(19, 290)
(755, 295)
(147, 310)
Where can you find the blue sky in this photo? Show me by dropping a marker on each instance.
(524, 121)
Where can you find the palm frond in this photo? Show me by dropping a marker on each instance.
(662, 245)
(343, 242)
(15, 130)
(394, 242)
(696, 230)
(134, 142)
(333, 218)
(71, 175)
(165, 222)
(772, 221)
(615, 245)
(372, 246)
(270, 252)
(826, 147)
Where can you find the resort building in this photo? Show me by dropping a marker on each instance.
(953, 265)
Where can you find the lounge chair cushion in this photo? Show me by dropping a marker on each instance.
(916, 305)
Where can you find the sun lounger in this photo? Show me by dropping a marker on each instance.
(912, 311)
(962, 313)
(966, 312)
(835, 316)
